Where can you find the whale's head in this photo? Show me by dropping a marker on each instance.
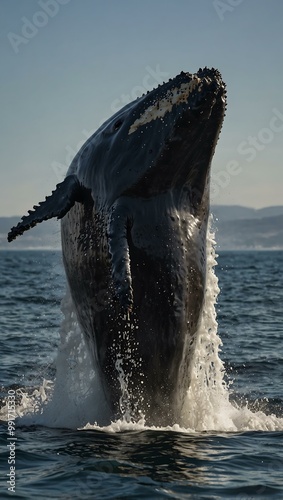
(167, 136)
(162, 141)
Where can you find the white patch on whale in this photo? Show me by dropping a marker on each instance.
(165, 105)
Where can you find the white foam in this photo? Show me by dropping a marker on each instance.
(76, 396)
(207, 406)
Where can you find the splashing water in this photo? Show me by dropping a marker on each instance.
(207, 405)
(76, 397)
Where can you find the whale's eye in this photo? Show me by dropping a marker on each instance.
(117, 124)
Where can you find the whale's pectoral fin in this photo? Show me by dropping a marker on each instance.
(55, 205)
(120, 256)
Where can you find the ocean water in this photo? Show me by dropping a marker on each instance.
(229, 440)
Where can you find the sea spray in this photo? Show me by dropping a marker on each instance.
(76, 396)
(207, 397)
(77, 389)
(132, 398)
(207, 406)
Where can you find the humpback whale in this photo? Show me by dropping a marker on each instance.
(134, 207)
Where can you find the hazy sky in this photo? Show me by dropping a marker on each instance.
(66, 65)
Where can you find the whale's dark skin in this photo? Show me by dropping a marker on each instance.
(134, 208)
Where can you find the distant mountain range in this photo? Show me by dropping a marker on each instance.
(45, 235)
(242, 228)
(237, 228)
(237, 212)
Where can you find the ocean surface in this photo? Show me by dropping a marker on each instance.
(229, 441)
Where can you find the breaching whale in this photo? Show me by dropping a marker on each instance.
(134, 207)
